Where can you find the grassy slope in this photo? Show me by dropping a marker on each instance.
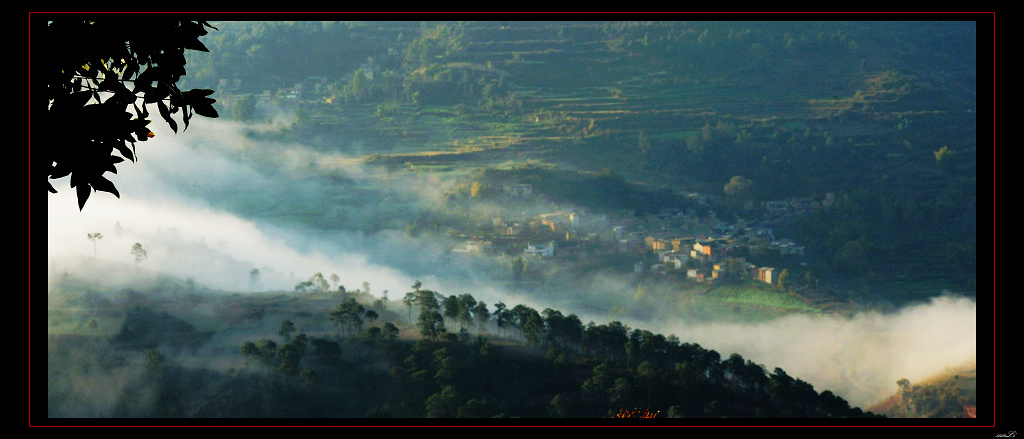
(759, 295)
(941, 396)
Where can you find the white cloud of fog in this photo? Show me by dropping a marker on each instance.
(859, 358)
(213, 248)
(184, 235)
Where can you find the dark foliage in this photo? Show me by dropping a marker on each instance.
(99, 77)
(145, 328)
(561, 368)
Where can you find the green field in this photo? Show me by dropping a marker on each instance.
(757, 295)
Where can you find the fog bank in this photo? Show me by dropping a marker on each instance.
(859, 358)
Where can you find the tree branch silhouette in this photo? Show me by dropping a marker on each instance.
(100, 78)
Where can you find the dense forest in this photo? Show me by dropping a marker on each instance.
(337, 353)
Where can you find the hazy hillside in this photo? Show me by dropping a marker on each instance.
(169, 348)
(950, 395)
(715, 220)
(880, 114)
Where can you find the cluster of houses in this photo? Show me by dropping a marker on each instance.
(705, 247)
(704, 258)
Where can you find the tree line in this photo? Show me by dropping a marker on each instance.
(431, 356)
(469, 361)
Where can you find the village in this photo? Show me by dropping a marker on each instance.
(678, 243)
(673, 242)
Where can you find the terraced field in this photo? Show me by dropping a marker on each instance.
(801, 108)
(576, 88)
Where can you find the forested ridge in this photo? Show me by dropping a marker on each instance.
(362, 357)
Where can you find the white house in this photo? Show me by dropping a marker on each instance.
(540, 251)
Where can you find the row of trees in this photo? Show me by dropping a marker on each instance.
(565, 369)
(570, 370)
(437, 313)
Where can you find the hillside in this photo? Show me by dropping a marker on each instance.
(949, 395)
(714, 221)
(860, 110)
(166, 348)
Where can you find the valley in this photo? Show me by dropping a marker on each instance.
(696, 206)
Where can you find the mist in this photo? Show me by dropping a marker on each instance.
(859, 358)
(189, 200)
